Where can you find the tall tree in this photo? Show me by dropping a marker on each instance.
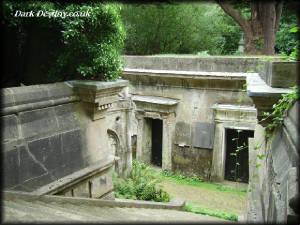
(262, 25)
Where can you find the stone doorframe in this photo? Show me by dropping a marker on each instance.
(228, 117)
(155, 108)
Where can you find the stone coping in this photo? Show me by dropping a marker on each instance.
(75, 177)
(38, 105)
(257, 87)
(40, 94)
(202, 57)
(234, 107)
(155, 100)
(175, 204)
(188, 74)
(97, 85)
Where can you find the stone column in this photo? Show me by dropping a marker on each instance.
(168, 130)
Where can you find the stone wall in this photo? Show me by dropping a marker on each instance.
(196, 92)
(51, 144)
(273, 195)
(193, 63)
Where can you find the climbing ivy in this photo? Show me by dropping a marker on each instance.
(280, 110)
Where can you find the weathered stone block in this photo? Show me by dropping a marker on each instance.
(66, 117)
(182, 134)
(36, 93)
(10, 123)
(30, 167)
(48, 152)
(204, 135)
(7, 98)
(11, 168)
(101, 185)
(82, 190)
(37, 122)
(36, 182)
(281, 74)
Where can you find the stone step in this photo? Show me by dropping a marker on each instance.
(37, 211)
(105, 213)
(68, 208)
(42, 213)
(18, 211)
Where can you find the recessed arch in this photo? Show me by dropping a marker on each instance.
(114, 149)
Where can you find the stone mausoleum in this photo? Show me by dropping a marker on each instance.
(182, 114)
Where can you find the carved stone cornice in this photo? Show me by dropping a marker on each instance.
(98, 96)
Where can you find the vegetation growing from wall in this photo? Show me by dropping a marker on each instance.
(280, 109)
(140, 184)
(45, 49)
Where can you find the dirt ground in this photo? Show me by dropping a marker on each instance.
(219, 201)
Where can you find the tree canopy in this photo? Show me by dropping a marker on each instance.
(50, 49)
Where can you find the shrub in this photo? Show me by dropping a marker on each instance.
(51, 49)
(140, 184)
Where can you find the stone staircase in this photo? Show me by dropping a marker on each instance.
(40, 209)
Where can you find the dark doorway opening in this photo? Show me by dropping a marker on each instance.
(237, 156)
(156, 156)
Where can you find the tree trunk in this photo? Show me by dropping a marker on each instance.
(260, 31)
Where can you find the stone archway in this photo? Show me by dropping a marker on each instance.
(114, 149)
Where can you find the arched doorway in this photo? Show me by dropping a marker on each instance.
(114, 149)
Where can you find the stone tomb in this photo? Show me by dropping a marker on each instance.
(156, 125)
(232, 121)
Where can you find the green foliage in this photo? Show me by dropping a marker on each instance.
(210, 212)
(78, 47)
(140, 184)
(182, 28)
(280, 110)
(287, 35)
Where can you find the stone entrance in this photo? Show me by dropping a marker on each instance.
(156, 156)
(156, 125)
(229, 120)
(237, 166)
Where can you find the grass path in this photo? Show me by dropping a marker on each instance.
(205, 198)
(219, 201)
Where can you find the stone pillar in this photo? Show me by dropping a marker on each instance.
(96, 97)
(139, 141)
(168, 130)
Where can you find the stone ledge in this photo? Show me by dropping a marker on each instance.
(75, 177)
(34, 94)
(263, 96)
(97, 85)
(187, 74)
(176, 204)
(155, 100)
(257, 87)
(38, 105)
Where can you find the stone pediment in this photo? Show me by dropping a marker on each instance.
(237, 113)
(155, 103)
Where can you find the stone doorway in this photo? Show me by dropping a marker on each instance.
(237, 163)
(157, 135)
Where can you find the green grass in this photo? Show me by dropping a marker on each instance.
(210, 212)
(196, 182)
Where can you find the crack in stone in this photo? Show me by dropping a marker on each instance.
(40, 164)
